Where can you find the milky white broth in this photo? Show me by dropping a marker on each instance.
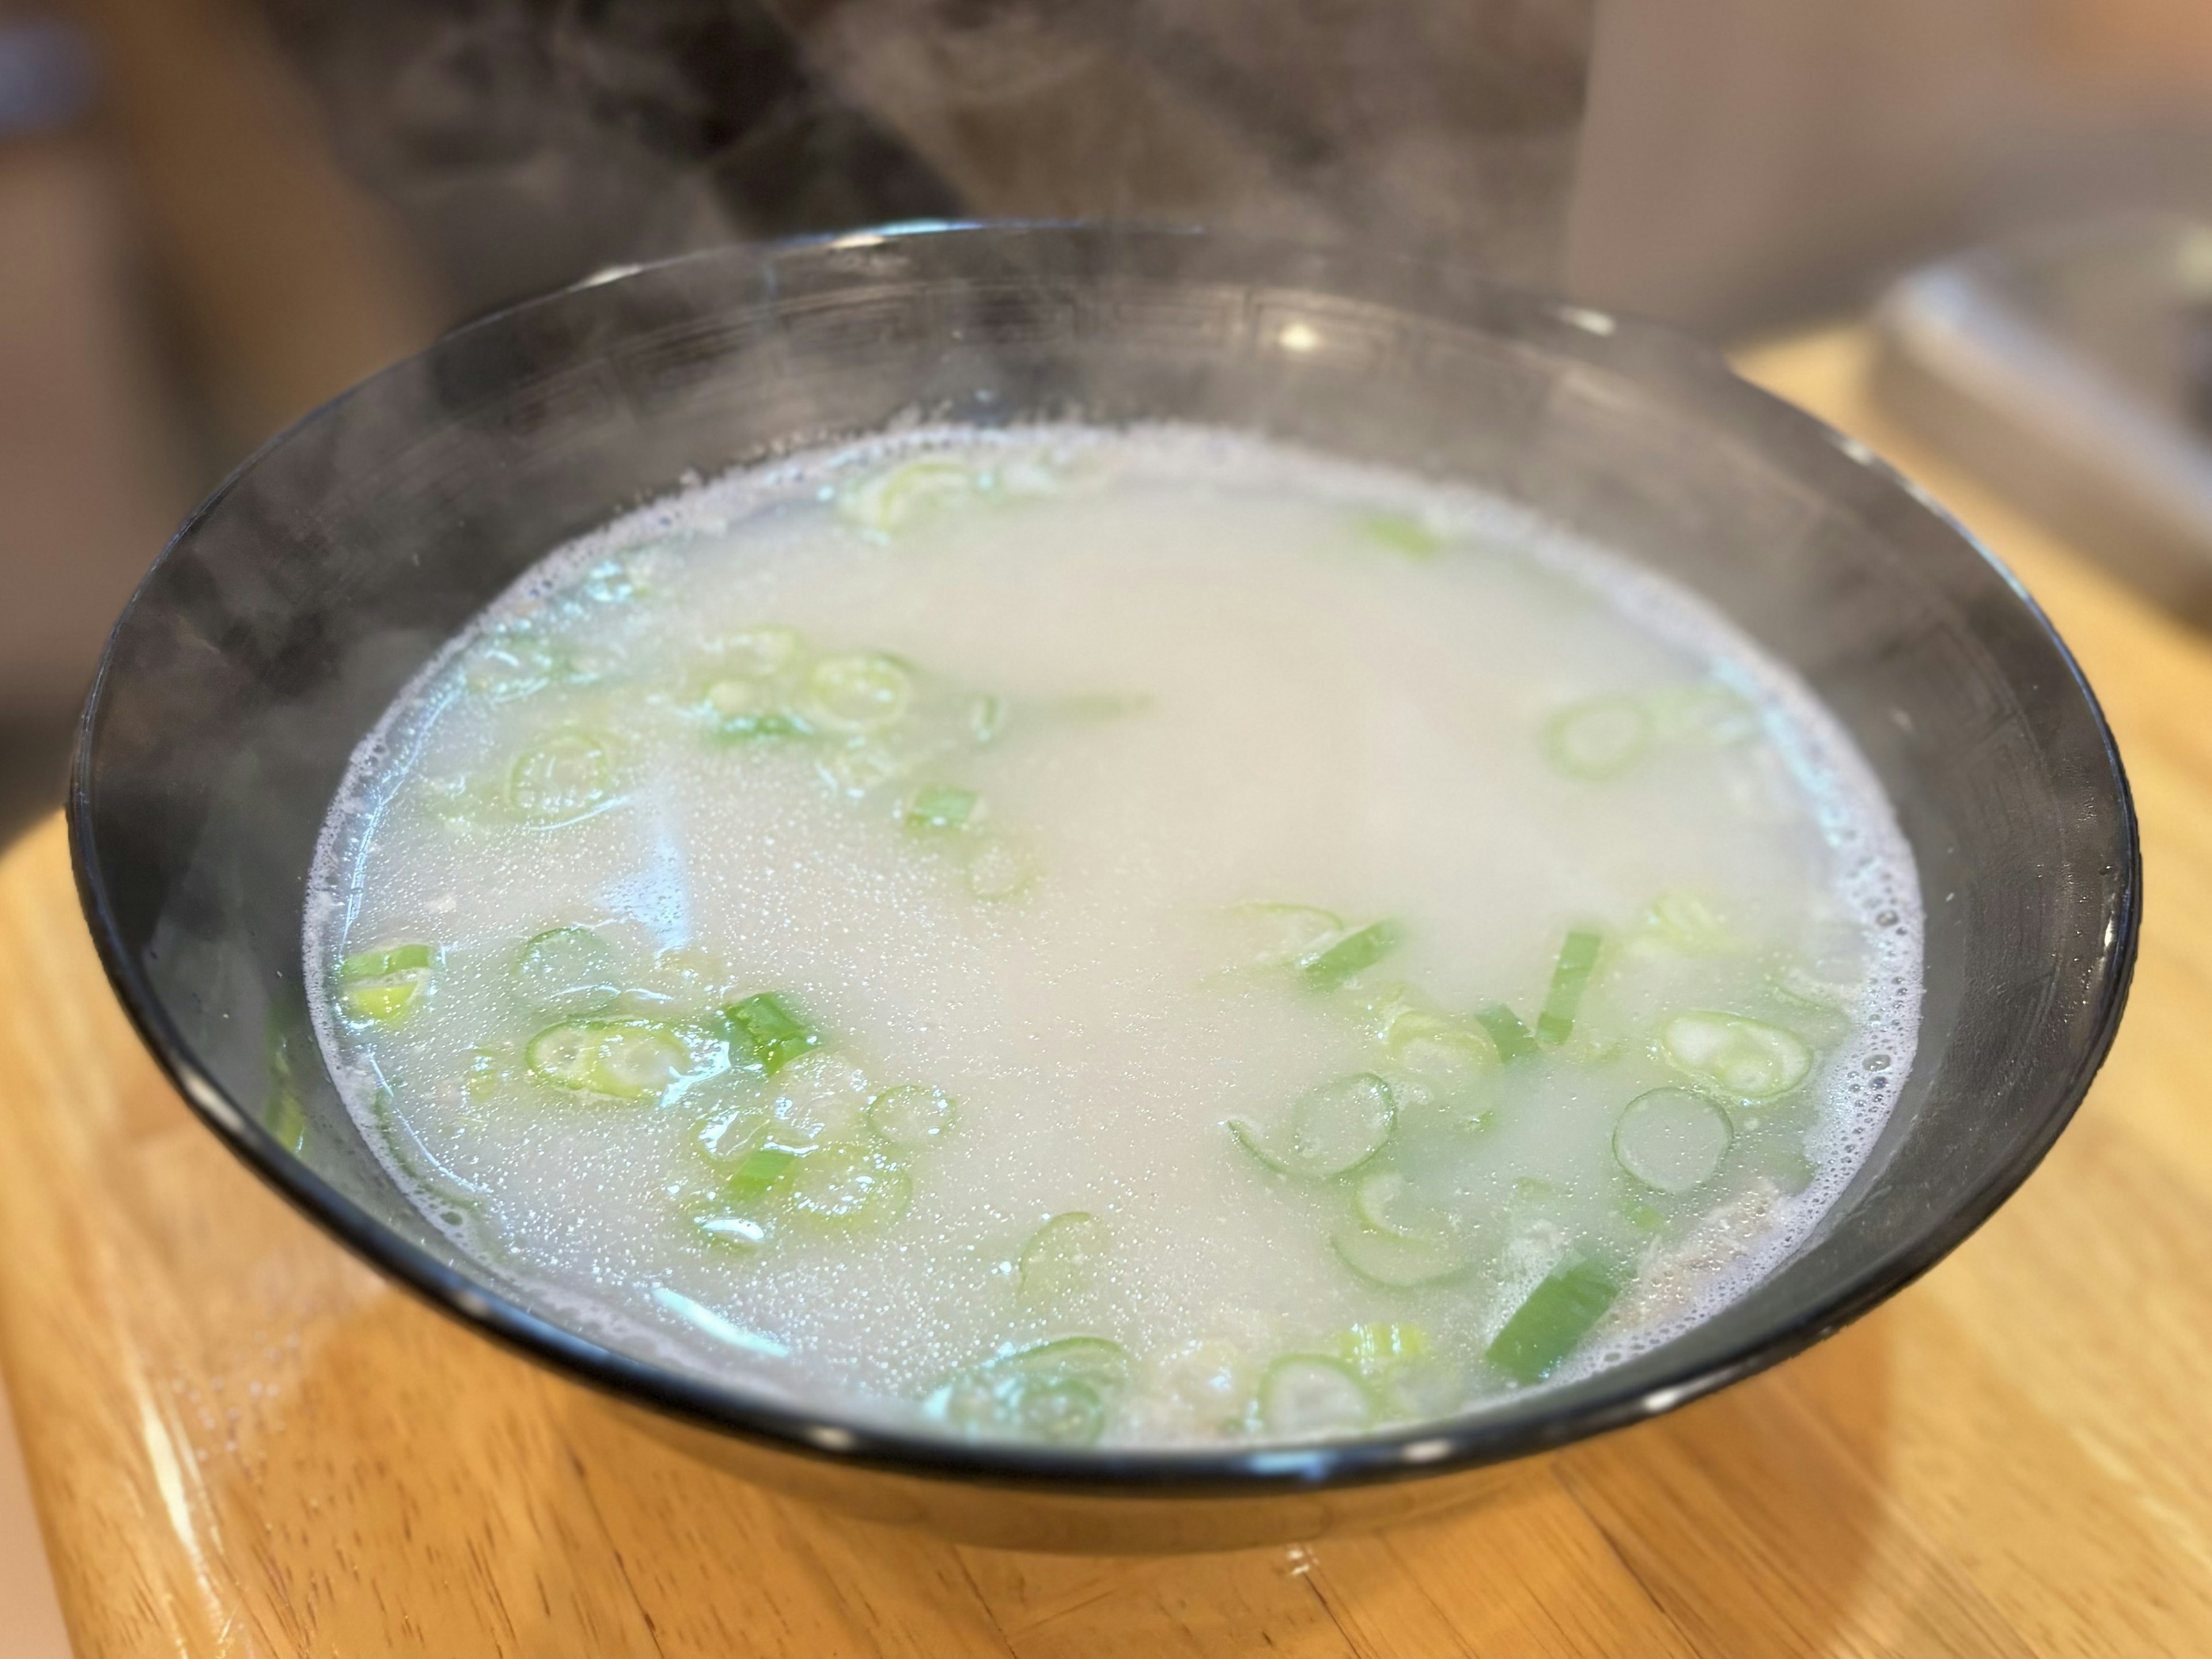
(1144, 936)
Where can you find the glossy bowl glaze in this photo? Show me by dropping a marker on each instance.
(295, 603)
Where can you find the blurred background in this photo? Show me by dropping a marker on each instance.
(215, 214)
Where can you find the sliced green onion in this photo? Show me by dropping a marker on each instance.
(1381, 1201)
(381, 1002)
(1437, 1048)
(1691, 924)
(1347, 957)
(1558, 1314)
(904, 494)
(748, 709)
(845, 1187)
(567, 776)
(1570, 977)
(626, 1058)
(760, 1170)
(1507, 1034)
(284, 1113)
(381, 986)
(387, 959)
(1092, 1359)
(1057, 1392)
(1598, 738)
(1305, 1394)
(998, 869)
(986, 718)
(766, 1035)
(1063, 1257)
(1060, 1413)
(860, 692)
(860, 768)
(1671, 1139)
(566, 971)
(1370, 1349)
(1401, 533)
(1283, 934)
(913, 1115)
(1741, 1056)
(942, 809)
(1396, 1260)
(1334, 1130)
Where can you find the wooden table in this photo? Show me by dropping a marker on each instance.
(242, 1442)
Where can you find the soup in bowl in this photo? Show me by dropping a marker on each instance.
(1106, 889)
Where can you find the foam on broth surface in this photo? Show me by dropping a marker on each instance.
(1145, 937)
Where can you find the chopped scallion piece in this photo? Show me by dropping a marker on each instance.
(1507, 1034)
(1396, 1260)
(1570, 977)
(566, 971)
(382, 1001)
(759, 1170)
(1058, 1392)
(913, 1114)
(1437, 1048)
(846, 1187)
(386, 960)
(1558, 1314)
(1305, 1394)
(626, 1058)
(862, 691)
(1380, 1347)
(986, 718)
(765, 1034)
(1334, 1130)
(748, 709)
(1598, 738)
(1689, 923)
(379, 986)
(1348, 957)
(904, 494)
(1381, 1201)
(1745, 1058)
(569, 776)
(1063, 1257)
(942, 808)
(1401, 534)
(1671, 1140)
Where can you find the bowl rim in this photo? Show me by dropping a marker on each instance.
(1414, 1450)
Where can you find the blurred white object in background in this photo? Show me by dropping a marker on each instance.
(2072, 368)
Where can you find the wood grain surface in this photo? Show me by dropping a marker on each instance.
(243, 1444)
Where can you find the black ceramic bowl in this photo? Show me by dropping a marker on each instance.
(294, 605)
